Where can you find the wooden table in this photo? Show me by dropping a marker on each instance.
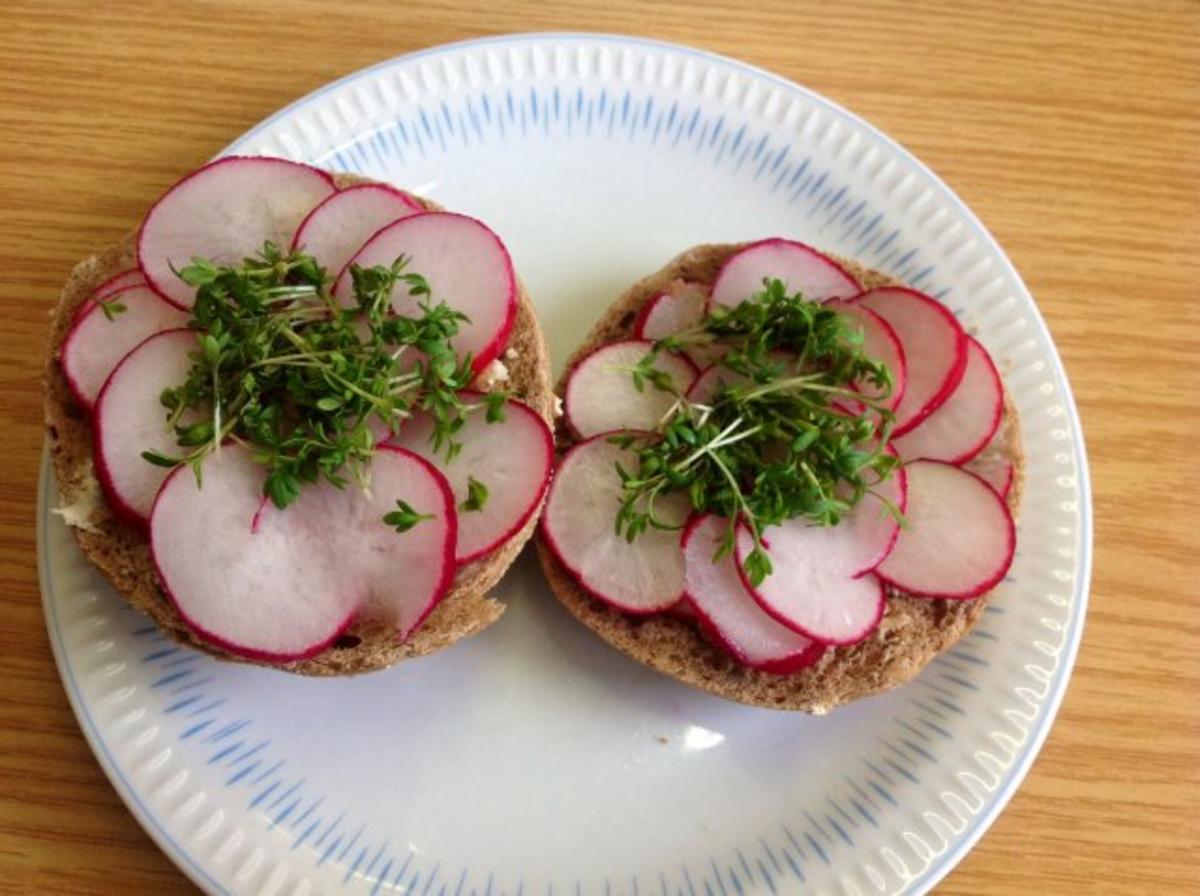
(1070, 127)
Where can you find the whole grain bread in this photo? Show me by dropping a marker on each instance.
(913, 629)
(122, 554)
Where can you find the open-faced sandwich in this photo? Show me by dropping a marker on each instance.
(275, 412)
(783, 478)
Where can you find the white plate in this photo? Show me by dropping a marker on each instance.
(534, 759)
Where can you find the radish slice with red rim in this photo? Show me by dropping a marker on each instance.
(111, 286)
(281, 585)
(966, 421)
(466, 266)
(935, 349)
(512, 458)
(993, 466)
(729, 613)
(880, 343)
(821, 585)
(224, 212)
(337, 228)
(640, 576)
(680, 308)
(801, 268)
(601, 394)
(958, 540)
(96, 343)
(130, 418)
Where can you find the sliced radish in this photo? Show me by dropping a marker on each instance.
(114, 284)
(283, 584)
(96, 343)
(993, 466)
(801, 268)
(966, 421)
(935, 349)
(880, 343)
(959, 538)
(677, 309)
(709, 382)
(601, 394)
(338, 227)
(466, 266)
(129, 419)
(512, 458)
(225, 211)
(728, 611)
(642, 576)
(821, 584)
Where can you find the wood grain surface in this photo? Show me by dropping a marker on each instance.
(1071, 128)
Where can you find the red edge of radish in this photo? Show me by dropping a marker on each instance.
(548, 440)
(851, 285)
(990, 582)
(783, 620)
(785, 665)
(140, 240)
(555, 548)
(451, 512)
(386, 188)
(951, 381)
(108, 288)
(570, 394)
(120, 508)
(500, 339)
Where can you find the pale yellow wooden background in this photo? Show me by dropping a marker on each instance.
(1072, 129)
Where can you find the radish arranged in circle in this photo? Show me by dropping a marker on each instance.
(640, 576)
(466, 267)
(934, 344)
(880, 343)
(338, 227)
(966, 420)
(680, 308)
(959, 538)
(727, 610)
(96, 343)
(821, 584)
(111, 286)
(801, 268)
(512, 458)
(130, 418)
(993, 466)
(224, 212)
(601, 394)
(282, 585)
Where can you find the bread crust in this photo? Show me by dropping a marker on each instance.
(912, 632)
(122, 554)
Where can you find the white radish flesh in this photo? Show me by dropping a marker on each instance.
(281, 585)
(512, 458)
(731, 614)
(935, 349)
(821, 584)
(801, 268)
(711, 381)
(338, 227)
(966, 421)
(129, 419)
(642, 576)
(466, 266)
(96, 342)
(880, 343)
(678, 309)
(958, 540)
(224, 212)
(601, 394)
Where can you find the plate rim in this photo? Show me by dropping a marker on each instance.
(1020, 765)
